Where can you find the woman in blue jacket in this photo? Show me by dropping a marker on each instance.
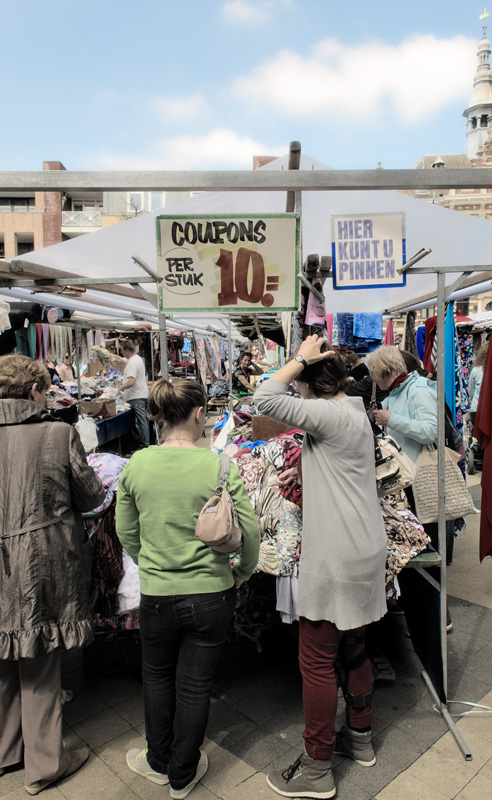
(409, 413)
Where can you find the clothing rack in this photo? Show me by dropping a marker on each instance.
(443, 295)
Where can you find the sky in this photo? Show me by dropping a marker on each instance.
(208, 84)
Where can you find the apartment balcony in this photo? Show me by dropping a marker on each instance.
(75, 223)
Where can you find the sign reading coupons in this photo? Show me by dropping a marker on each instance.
(367, 250)
(245, 263)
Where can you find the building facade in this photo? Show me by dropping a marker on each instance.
(31, 221)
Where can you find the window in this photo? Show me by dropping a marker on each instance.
(25, 243)
(135, 202)
(17, 204)
(89, 206)
(484, 120)
(157, 200)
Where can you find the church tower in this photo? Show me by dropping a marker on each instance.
(479, 111)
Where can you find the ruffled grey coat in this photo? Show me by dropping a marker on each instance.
(45, 482)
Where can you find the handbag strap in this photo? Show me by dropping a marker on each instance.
(373, 395)
(224, 473)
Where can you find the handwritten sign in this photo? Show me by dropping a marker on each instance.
(228, 263)
(367, 249)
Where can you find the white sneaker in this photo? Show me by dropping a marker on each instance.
(137, 762)
(180, 794)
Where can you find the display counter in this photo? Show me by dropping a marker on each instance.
(114, 427)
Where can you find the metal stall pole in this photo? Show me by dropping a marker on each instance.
(441, 459)
(443, 708)
(163, 345)
(77, 364)
(229, 337)
(152, 355)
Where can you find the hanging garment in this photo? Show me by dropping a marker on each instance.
(315, 310)
(201, 358)
(4, 316)
(406, 539)
(267, 502)
(430, 354)
(329, 328)
(410, 338)
(421, 342)
(335, 341)
(450, 361)
(106, 564)
(277, 553)
(483, 433)
(388, 336)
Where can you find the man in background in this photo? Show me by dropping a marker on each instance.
(135, 389)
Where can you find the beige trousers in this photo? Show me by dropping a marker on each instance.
(31, 715)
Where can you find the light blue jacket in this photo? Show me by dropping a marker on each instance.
(413, 421)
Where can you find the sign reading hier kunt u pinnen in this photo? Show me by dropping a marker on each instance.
(367, 250)
(243, 263)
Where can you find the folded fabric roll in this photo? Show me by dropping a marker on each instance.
(346, 330)
(368, 325)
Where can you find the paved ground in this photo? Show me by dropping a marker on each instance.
(256, 714)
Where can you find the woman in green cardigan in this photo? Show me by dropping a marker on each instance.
(187, 589)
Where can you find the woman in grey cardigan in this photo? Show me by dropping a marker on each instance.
(45, 482)
(342, 566)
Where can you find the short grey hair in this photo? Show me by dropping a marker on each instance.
(385, 362)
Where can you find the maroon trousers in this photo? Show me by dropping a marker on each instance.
(319, 644)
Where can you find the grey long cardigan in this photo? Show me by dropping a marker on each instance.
(343, 553)
(45, 482)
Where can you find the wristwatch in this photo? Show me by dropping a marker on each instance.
(301, 360)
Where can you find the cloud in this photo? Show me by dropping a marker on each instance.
(181, 109)
(253, 12)
(353, 84)
(220, 148)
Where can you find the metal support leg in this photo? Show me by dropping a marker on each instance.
(443, 710)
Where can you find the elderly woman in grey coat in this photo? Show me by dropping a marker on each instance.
(45, 482)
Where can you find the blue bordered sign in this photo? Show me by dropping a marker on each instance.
(367, 250)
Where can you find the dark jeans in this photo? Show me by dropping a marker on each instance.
(182, 638)
(139, 406)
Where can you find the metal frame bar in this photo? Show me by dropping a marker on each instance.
(244, 181)
(73, 281)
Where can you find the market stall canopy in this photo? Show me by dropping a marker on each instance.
(456, 240)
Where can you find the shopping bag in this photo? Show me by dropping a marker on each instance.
(459, 501)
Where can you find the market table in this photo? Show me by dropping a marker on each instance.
(114, 427)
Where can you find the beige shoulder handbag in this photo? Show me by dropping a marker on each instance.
(217, 524)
